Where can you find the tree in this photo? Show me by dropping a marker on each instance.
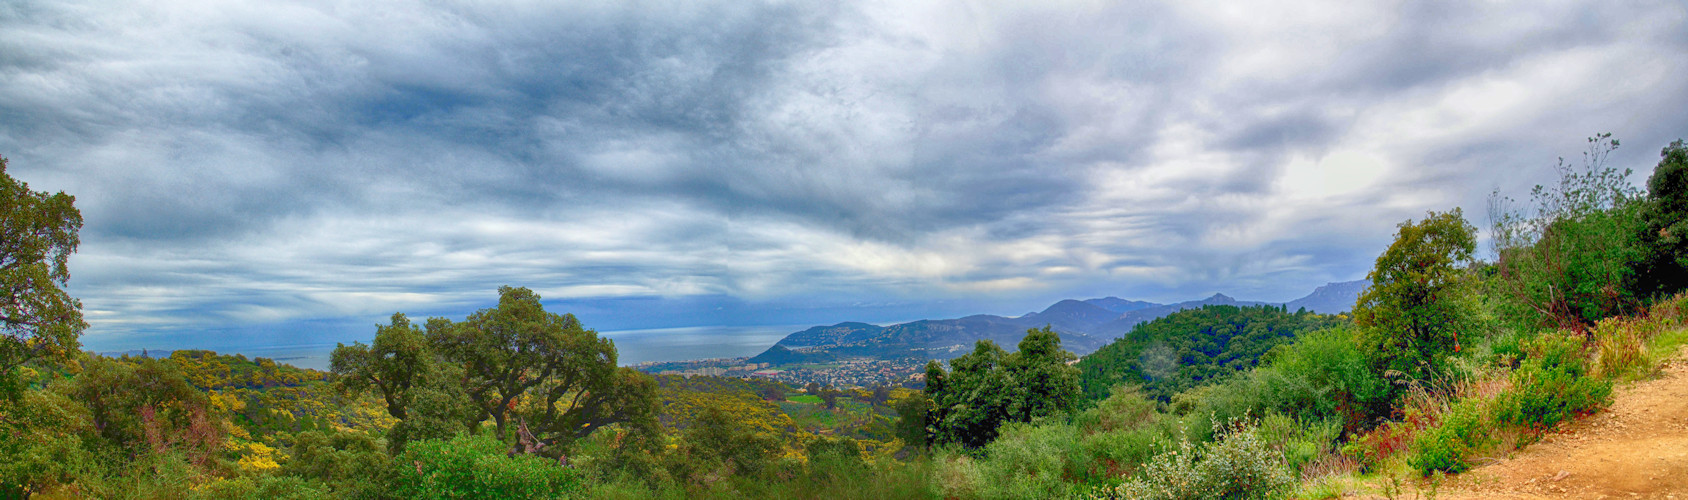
(1574, 261)
(879, 395)
(423, 392)
(717, 443)
(1044, 381)
(913, 420)
(1664, 231)
(1416, 305)
(989, 387)
(829, 396)
(38, 232)
(392, 365)
(147, 406)
(558, 379)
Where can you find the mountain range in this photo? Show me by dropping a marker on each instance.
(1084, 325)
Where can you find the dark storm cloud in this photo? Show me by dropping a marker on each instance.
(245, 163)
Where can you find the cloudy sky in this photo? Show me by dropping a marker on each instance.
(274, 172)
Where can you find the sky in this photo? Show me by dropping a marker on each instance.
(276, 172)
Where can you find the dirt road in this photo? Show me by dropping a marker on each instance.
(1636, 449)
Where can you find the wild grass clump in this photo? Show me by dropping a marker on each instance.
(1620, 347)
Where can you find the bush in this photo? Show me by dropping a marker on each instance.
(1032, 461)
(1420, 299)
(1574, 261)
(1551, 385)
(349, 464)
(1238, 465)
(477, 467)
(1450, 445)
(1125, 408)
(1323, 375)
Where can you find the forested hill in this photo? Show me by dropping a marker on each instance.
(1084, 325)
(1194, 347)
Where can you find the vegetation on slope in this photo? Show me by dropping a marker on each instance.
(1193, 347)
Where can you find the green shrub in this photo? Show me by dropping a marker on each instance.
(1551, 385)
(476, 467)
(1118, 453)
(956, 474)
(1125, 408)
(1032, 461)
(349, 464)
(1238, 465)
(1574, 260)
(1450, 445)
(1324, 374)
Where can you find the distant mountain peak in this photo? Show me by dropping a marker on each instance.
(1220, 297)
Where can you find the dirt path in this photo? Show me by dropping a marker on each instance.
(1638, 448)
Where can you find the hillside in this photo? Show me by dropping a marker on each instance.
(1193, 347)
(1084, 325)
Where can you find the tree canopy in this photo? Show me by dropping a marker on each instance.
(989, 387)
(1416, 304)
(1192, 347)
(38, 232)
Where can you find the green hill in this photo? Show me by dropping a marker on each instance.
(1193, 347)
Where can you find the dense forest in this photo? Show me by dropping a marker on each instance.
(1193, 347)
(1447, 359)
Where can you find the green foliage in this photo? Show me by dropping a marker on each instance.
(347, 464)
(1621, 347)
(1238, 465)
(1419, 301)
(38, 232)
(147, 406)
(261, 488)
(1125, 409)
(914, 421)
(563, 376)
(717, 445)
(1551, 385)
(1193, 347)
(989, 387)
(833, 459)
(1574, 261)
(421, 391)
(1323, 375)
(1450, 446)
(1664, 226)
(41, 443)
(1300, 441)
(475, 466)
